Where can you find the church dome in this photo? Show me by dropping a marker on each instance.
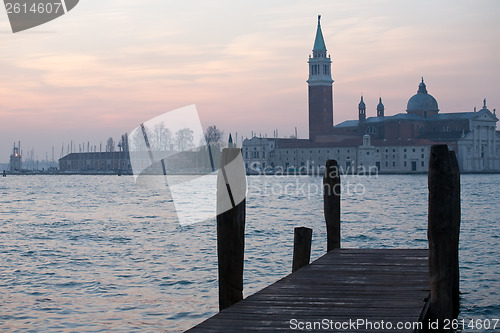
(422, 103)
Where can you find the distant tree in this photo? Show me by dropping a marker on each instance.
(161, 138)
(184, 139)
(110, 145)
(213, 134)
(136, 140)
(123, 144)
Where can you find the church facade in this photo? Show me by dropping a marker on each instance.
(387, 144)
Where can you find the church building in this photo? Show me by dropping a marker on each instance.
(391, 144)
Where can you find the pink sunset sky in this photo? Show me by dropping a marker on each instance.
(107, 66)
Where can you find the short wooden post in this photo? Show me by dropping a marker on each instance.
(331, 204)
(4, 174)
(442, 233)
(302, 237)
(230, 227)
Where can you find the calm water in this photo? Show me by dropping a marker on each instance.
(99, 253)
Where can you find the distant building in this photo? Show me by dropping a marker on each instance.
(357, 154)
(15, 163)
(197, 161)
(398, 143)
(106, 162)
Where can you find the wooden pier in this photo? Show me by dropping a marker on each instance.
(359, 287)
(348, 290)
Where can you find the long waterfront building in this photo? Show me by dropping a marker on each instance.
(198, 160)
(98, 162)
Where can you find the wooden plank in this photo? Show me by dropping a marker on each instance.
(345, 284)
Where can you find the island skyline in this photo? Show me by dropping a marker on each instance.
(104, 68)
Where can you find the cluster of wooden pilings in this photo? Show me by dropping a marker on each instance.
(443, 235)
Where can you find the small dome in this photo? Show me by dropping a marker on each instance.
(422, 102)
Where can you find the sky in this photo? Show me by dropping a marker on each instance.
(107, 66)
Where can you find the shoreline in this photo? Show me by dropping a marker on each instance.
(52, 173)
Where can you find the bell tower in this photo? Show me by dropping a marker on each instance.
(320, 88)
(380, 108)
(361, 110)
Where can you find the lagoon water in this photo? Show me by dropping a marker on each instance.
(99, 253)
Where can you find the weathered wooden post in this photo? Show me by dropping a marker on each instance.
(457, 212)
(442, 233)
(231, 191)
(302, 237)
(331, 204)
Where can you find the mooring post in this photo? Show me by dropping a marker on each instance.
(457, 212)
(302, 237)
(443, 234)
(231, 188)
(331, 204)
(4, 174)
